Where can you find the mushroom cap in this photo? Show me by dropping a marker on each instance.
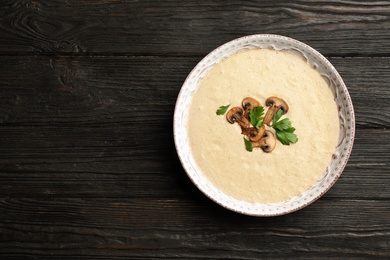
(268, 142)
(278, 102)
(234, 114)
(249, 103)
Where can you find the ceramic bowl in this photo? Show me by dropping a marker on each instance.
(341, 97)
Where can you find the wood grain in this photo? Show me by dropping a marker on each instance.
(341, 28)
(97, 91)
(168, 234)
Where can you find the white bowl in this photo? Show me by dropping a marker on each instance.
(346, 119)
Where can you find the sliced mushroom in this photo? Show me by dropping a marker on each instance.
(248, 104)
(236, 114)
(267, 143)
(253, 133)
(275, 104)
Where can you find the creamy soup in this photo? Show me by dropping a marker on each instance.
(218, 147)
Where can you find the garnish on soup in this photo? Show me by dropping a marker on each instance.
(275, 104)
(284, 129)
(222, 110)
(248, 145)
(256, 116)
(248, 104)
(254, 124)
(267, 143)
(236, 115)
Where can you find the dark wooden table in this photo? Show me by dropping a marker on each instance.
(88, 167)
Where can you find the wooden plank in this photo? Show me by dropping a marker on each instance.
(365, 79)
(341, 28)
(101, 91)
(75, 228)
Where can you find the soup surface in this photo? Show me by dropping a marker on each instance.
(218, 147)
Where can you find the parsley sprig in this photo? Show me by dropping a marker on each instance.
(256, 116)
(284, 129)
(222, 110)
(248, 145)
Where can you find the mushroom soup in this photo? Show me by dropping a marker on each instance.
(218, 147)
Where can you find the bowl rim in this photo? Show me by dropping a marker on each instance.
(346, 156)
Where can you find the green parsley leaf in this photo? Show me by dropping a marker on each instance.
(277, 116)
(248, 145)
(286, 137)
(256, 116)
(222, 110)
(283, 124)
(284, 129)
